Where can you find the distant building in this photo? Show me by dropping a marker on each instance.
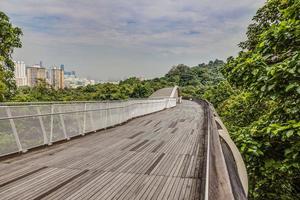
(62, 66)
(37, 66)
(70, 73)
(20, 73)
(35, 73)
(57, 78)
(112, 82)
(74, 82)
(141, 78)
(48, 76)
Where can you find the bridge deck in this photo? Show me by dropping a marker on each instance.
(159, 156)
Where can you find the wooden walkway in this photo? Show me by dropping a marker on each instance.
(159, 156)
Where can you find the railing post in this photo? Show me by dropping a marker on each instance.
(78, 117)
(42, 125)
(108, 115)
(131, 110)
(51, 125)
(14, 130)
(166, 103)
(120, 113)
(63, 124)
(84, 120)
(105, 118)
(92, 120)
(128, 110)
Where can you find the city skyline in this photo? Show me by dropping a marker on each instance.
(114, 40)
(56, 76)
(68, 70)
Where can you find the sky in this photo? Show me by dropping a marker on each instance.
(116, 39)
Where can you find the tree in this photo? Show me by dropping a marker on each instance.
(178, 70)
(216, 94)
(131, 81)
(9, 39)
(141, 91)
(269, 69)
(203, 74)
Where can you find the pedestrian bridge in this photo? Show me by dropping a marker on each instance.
(159, 150)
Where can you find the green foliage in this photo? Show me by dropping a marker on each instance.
(264, 120)
(203, 74)
(41, 92)
(216, 94)
(242, 108)
(130, 88)
(141, 91)
(9, 39)
(194, 81)
(192, 91)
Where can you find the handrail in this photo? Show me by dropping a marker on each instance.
(218, 183)
(66, 112)
(241, 167)
(69, 102)
(23, 127)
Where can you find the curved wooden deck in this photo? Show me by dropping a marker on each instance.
(159, 156)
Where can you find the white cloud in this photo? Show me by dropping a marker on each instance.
(155, 33)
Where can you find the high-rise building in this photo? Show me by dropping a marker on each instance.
(62, 67)
(48, 76)
(20, 73)
(57, 78)
(34, 74)
(70, 73)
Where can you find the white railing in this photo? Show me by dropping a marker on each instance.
(23, 127)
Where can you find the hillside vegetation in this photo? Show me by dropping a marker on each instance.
(192, 80)
(263, 113)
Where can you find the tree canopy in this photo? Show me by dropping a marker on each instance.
(9, 39)
(265, 115)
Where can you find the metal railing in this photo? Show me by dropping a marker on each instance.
(23, 127)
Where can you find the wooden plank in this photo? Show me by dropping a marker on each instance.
(139, 145)
(60, 185)
(137, 134)
(154, 164)
(67, 190)
(13, 179)
(174, 188)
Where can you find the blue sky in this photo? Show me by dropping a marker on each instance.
(115, 39)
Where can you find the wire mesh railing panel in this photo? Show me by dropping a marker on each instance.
(28, 128)
(97, 116)
(45, 121)
(23, 127)
(30, 132)
(73, 121)
(7, 139)
(56, 127)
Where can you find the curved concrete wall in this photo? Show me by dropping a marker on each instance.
(242, 171)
